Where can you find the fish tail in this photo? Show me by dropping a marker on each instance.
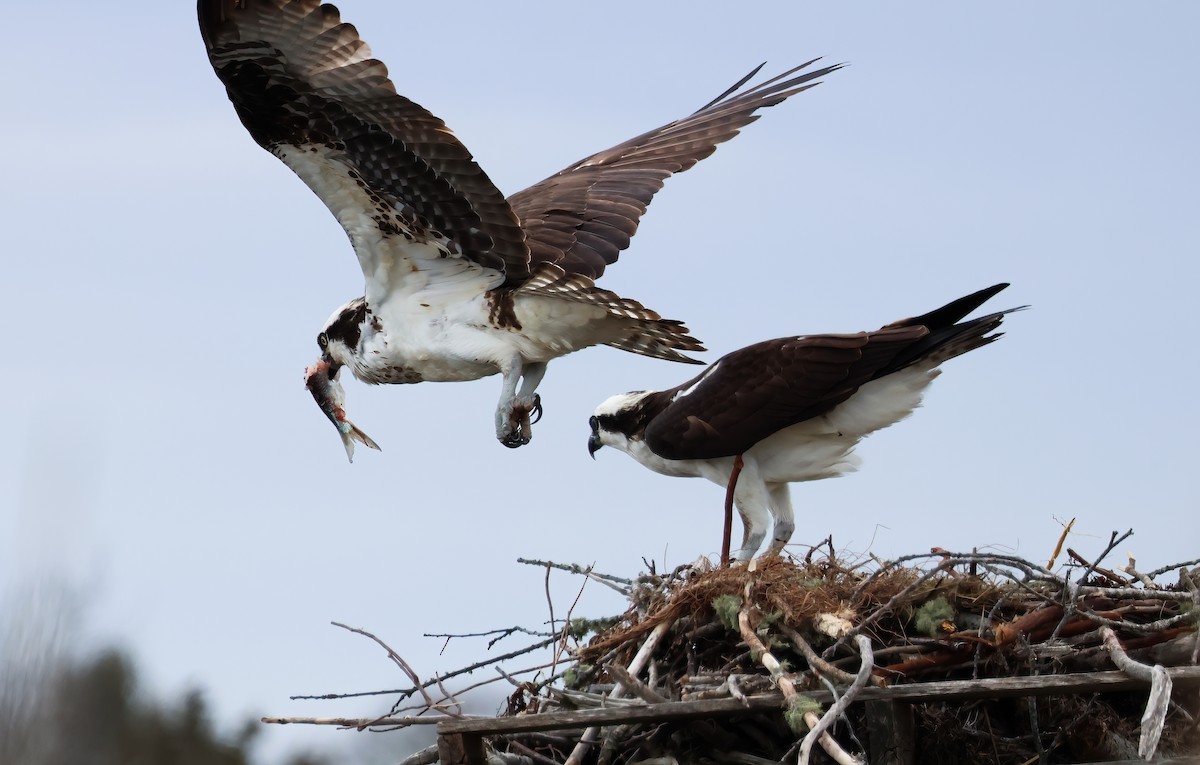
(351, 433)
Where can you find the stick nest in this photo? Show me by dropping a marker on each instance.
(930, 617)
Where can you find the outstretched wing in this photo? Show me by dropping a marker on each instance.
(583, 216)
(762, 388)
(396, 178)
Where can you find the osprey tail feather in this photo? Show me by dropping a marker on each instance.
(647, 334)
(661, 339)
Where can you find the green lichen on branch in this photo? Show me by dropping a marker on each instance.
(726, 608)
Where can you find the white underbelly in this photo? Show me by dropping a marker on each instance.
(553, 327)
(801, 453)
(823, 446)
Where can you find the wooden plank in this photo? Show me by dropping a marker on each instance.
(586, 718)
(1039, 685)
(460, 749)
(1035, 685)
(891, 728)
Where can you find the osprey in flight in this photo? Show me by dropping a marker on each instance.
(790, 409)
(461, 282)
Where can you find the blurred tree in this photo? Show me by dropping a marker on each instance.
(100, 721)
(57, 710)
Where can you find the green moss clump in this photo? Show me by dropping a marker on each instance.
(577, 675)
(580, 627)
(930, 616)
(727, 608)
(797, 708)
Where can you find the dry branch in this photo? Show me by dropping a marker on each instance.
(360, 723)
(817, 731)
(1155, 716)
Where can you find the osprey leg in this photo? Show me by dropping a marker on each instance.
(753, 503)
(527, 399)
(785, 524)
(729, 490)
(506, 430)
(513, 426)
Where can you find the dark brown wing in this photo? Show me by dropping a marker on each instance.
(762, 388)
(582, 217)
(307, 89)
(756, 391)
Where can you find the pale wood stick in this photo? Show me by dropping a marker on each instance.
(1155, 716)
(779, 675)
(426, 756)
(818, 664)
(639, 662)
(839, 707)
(1132, 571)
(637, 687)
(831, 747)
(735, 690)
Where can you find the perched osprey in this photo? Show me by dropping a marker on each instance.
(792, 408)
(461, 283)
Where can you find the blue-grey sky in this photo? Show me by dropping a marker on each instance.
(166, 279)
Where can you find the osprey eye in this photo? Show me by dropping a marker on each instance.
(322, 341)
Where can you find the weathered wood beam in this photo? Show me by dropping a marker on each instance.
(891, 727)
(460, 749)
(1039, 685)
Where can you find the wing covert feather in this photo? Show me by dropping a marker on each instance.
(758, 390)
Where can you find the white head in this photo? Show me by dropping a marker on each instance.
(617, 421)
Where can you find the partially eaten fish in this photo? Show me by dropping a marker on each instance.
(328, 393)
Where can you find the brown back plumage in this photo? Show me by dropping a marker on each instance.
(758, 390)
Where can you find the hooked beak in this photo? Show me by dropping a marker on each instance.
(594, 444)
(334, 367)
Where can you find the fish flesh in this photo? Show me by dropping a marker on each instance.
(329, 395)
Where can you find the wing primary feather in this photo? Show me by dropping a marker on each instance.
(734, 87)
(626, 177)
